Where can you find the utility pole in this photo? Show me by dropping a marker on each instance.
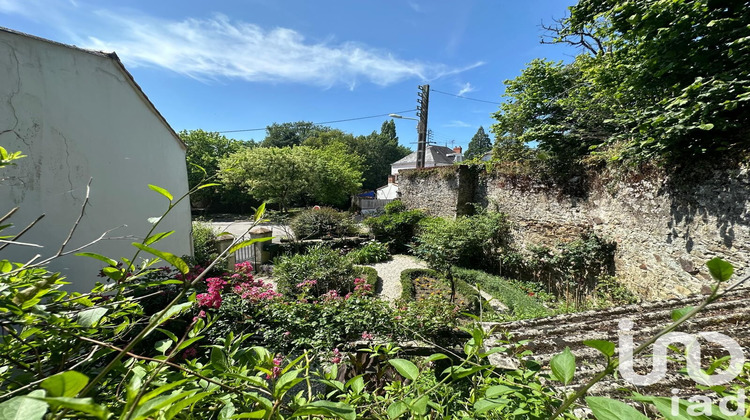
(423, 104)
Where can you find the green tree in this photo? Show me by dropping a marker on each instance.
(204, 150)
(657, 81)
(377, 151)
(293, 175)
(479, 145)
(290, 134)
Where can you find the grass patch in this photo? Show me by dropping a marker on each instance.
(468, 296)
(520, 304)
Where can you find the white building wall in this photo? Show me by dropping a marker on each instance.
(77, 115)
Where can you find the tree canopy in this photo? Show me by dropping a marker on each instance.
(291, 175)
(204, 151)
(290, 133)
(479, 145)
(657, 81)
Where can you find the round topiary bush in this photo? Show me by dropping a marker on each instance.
(322, 222)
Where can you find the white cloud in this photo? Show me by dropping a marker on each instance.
(467, 87)
(415, 6)
(218, 47)
(457, 123)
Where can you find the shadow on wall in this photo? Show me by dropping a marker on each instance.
(708, 194)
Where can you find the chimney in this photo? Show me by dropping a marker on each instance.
(457, 150)
(391, 179)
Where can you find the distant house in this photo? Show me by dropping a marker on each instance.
(434, 156)
(388, 191)
(79, 115)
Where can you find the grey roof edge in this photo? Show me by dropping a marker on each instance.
(112, 56)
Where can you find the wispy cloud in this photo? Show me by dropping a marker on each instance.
(415, 6)
(218, 48)
(467, 87)
(457, 123)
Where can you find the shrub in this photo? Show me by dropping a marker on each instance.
(395, 206)
(371, 252)
(467, 241)
(396, 227)
(205, 247)
(326, 267)
(468, 294)
(369, 274)
(318, 223)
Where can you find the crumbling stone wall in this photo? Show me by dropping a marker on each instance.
(665, 231)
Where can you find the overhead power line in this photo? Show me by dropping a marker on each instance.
(326, 122)
(465, 97)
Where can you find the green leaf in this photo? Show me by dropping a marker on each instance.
(166, 256)
(101, 258)
(218, 359)
(90, 317)
(83, 405)
(435, 357)
(606, 347)
(185, 344)
(168, 333)
(174, 310)
(419, 405)
(397, 409)
(157, 237)
(163, 345)
(485, 405)
(25, 407)
(254, 415)
(498, 390)
(175, 408)
(114, 273)
(405, 368)
(213, 184)
(161, 191)
(679, 313)
(609, 409)
(356, 384)
(286, 382)
(327, 408)
(247, 243)
(65, 384)
(260, 211)
(720, 270)
(706, 126)
(564, 366)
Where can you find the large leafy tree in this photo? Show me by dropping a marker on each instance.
(377, 150)
(479, 145)
(656, 80)
(204, 151)
(291, 133)
(293, 175)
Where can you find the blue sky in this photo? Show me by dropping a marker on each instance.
(243, 64)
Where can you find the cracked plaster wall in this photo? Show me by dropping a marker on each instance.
(77, 116)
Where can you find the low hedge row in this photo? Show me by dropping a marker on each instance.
(519, 302)
(368, 273)
(463, 288)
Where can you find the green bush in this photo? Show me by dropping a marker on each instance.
(325, 266)
(520, 304)
(205, 247)
(396, 227)
(467, 241)
(395, 206)
(371, 252)
(368, 273)
(469, 293)
(323, 222)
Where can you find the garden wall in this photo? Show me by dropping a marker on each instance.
(665, 231)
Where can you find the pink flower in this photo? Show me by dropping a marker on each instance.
(336, 356)
(189, 353)
(209, 300)
(201, 314)
(367, 336)
(287, 333)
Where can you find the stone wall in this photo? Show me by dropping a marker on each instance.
(665, 231)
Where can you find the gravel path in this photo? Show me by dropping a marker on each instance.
(390, 273)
